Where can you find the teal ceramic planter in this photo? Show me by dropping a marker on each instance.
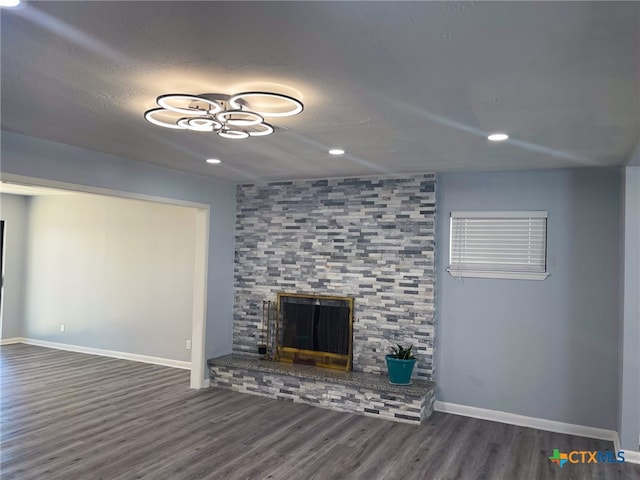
(399, 370)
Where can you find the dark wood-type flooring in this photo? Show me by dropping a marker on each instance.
(73, 416)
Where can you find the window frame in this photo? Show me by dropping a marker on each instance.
(457, 271)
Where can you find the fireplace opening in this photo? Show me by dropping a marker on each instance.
(315, 330)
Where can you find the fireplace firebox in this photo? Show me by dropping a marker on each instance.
(315, 330)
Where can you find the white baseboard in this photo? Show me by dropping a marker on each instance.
(531, 422)
(10, 341)
(134, 357)
(631, 456)
(206, 383)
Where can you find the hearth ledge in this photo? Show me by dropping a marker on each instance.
(361, 393)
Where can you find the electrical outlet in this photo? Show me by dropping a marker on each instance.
(188, 344)
(62, 327)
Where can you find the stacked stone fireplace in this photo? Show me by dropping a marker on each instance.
(370, 239)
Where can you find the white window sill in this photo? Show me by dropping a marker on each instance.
(504, 275)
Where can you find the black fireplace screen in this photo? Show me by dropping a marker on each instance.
(313, 323)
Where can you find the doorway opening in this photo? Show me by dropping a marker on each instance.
(197, 297)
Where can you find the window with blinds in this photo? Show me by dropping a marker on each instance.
(498, 245)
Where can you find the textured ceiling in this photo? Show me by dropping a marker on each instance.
(403, 87)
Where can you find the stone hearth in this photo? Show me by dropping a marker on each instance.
(361, 393)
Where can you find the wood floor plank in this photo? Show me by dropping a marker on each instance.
(72, 416)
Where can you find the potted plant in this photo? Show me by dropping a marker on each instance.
(400, 364)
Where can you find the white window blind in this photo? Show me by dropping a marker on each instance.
(498, 244)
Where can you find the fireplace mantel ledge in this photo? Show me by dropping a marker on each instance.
(372, 381)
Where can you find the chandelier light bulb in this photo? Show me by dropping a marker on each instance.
(246, 119)
(149, 115)
(295, 106)
(188, 124)
(263, 129)
(201, 124)
(194, 105)
(233, 134)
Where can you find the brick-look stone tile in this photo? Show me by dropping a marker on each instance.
(369, 238)
(358, 400)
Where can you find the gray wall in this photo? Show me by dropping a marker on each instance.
(14, 210)
(117, 273)
(546, 349)
(23, 155)
(370, 238)
(630, 334)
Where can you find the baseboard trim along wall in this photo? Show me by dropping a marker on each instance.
(134, 357)
(445, 407)
(531, 422)
(631, 457)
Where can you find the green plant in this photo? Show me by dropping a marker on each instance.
(402, 353)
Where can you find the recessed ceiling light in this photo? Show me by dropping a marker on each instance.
(213, 160)
(9, 3)
(498, 137)
(336, 151)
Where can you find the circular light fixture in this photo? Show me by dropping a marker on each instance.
(247, 118)
(9, 3)
(213, 160)
(184, 123)
(295, 105)
(203, 124)
(234, 134)
(263, 130)
(193, 107)
(498, 137)
(336, 151)
(230, 116)
(199, 124)
(149, 116)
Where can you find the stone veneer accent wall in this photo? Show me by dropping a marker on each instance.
(369, 238)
